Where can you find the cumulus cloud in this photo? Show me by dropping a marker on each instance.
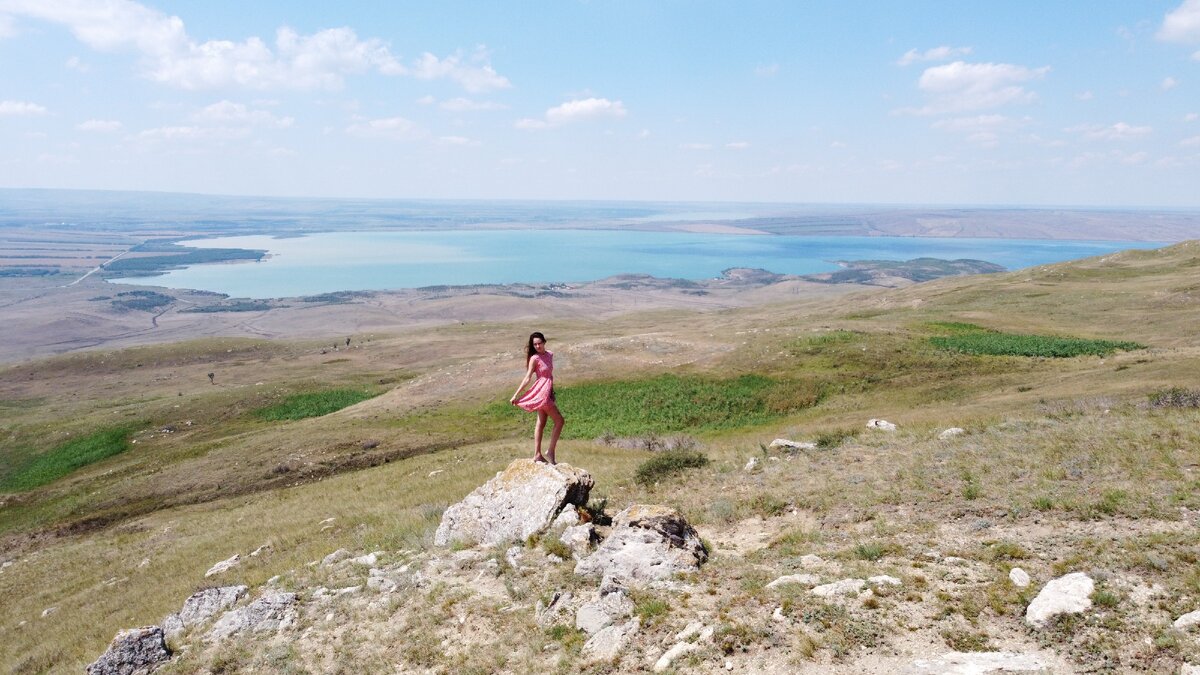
(935, 54)
(390, 128)
(1120, 131)
(1169, 83)
(1181, 24)
(961, 87)
(475, 75)
(574, 111)
(230, 113)
(100, 126)
(21, 109)
(1085, 95)
(294, 61)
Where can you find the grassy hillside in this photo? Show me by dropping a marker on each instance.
(187, 471)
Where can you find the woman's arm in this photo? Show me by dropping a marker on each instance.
(524, 381)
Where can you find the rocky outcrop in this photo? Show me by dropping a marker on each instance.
(273, 611)
(224, 565)
(520, 501)
(648, 545)
(603, 612)
(200, 607)
(136, 651)
(1070, 594)
(610, 642)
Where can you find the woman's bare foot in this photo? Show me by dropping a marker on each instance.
(538, 458)
(551, 459)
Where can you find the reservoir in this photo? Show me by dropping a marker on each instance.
(359, 261)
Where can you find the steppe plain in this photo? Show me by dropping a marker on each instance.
(1064, 466)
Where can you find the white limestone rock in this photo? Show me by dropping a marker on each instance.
(610, 641)
(1188, 620)
(520, 501)
(273, 611)
(557, 611)
(200, 607)
(785, 444)
(1069, 594)
(649, 545)
(837, 588)
(979, 663)
(802, 579)
(137, 651)
(751, 465)
(335, 557)
(606, 610)
(673, 653)
(568, 518)
(367, 560)
(951, 433)
(579, 539)
(883, 580)
(880, 425)
(1019, 577)
(224, 566)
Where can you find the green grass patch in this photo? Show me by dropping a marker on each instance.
(668, 463)
(987, 343)
(314, 404)
(673, 403)
(69, 456)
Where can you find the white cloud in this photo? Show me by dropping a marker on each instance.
(1120, 131)
(837, 144)
(1191, 141)
(477, 76)
(1181, 24)
(961, 87)
(767, 70)
(465, 105)
(427, 99)
(935, 54)
(228, 112)
(1169, 83)
(574, 111)
(77, 64)
(170, 56)
(1191, 117)
(1085, 95)
(391, 128)
(8, 27)
(192, 133)
(737, 145)
(1135, 158)
(21, 109)
(99, 126)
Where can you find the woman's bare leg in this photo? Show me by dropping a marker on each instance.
(558, 426)
(538, 427)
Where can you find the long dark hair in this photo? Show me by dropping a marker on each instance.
(529, 349)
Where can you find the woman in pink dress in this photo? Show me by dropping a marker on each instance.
(540, 397)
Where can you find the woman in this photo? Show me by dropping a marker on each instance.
(540, 397)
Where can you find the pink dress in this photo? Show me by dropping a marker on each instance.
(541, 395)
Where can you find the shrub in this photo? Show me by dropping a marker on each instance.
(651, 610)
(966, 640)
(828, 440)
(1175, 397)
(554, 546)
(69, 456)
(1007, 344)
(668, 464)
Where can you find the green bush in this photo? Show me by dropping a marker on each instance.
(668, 463)
(987, 343)
(313, 404)
(69, 456)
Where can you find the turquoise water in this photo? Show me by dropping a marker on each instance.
(346, 261)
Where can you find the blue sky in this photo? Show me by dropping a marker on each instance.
(1002, 102)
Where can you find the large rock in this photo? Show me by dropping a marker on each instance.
(606, 610)
(273, 611)
(1070, 594)
(136, 651)
(979, 663)
(649, 544)
(609, 642)
(522, 500)
(200, 607)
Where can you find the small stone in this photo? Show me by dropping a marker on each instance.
(1188, 620)
(673, 653)
(804, 579)
(843, 587)
(1189, 669)
(258, 551)
(880, 425)
(751, 465)
(335, 557)
(1018, 577)
(224, 565)
(568, 518)
(883, 580)
(48, 611)
(729, 665)
(811, 560)
(1069, 594)
(951, 433)
(579, 539)
(367, 560)
(785, 444)
(693, 628)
